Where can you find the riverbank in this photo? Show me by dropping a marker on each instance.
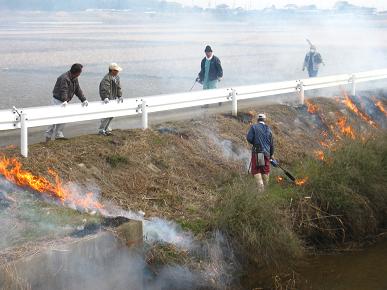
(195, 173)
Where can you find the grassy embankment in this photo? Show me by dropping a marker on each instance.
(183, 175)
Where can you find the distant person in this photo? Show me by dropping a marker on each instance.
(66, 87)
(261, 137)
(110, 89)
(211, 71)
(312, 62)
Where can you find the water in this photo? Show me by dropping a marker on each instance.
(162, 54)
(357, 270)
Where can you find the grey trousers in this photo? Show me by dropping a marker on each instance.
(55, 130)
(104, 127)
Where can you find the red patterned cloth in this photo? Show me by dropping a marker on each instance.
(263, 170)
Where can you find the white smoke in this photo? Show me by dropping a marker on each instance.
(230, 150)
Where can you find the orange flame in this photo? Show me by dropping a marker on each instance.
(279, 179)
(12, 170)
(351, 105)
(319, 155)
(380, 106)
(345, 129)
(312, 108)
(301, 181)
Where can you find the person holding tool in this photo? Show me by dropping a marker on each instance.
(211, 71)
(312, 61)
(261, 137)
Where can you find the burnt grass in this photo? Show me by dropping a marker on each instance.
(179, 172)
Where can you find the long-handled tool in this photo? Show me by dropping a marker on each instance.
(196, 80)
(309, 42)
(287, 173)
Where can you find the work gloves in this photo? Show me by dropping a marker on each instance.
(85, 103)
(106, 100)
(198, 80)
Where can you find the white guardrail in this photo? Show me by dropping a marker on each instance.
(25, 118)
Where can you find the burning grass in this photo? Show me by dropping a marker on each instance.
(188, 177)
(351, 185)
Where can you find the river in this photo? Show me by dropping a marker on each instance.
(355, 270)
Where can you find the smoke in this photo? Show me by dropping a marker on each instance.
(104, 264)
(230, 150)
(166, 53)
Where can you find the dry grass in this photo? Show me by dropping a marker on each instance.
(174, 175)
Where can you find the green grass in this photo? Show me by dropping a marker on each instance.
(196, 226)
(259, 227)
(352, 184)
(344, 199)
(116, 160)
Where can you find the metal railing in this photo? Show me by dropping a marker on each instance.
(25, 118)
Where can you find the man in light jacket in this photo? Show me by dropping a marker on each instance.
(110, 89)
(66, 87)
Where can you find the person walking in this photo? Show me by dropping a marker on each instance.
(261, 137)
(312, 62)
(110, 89)
(211, 71)
(65, 88)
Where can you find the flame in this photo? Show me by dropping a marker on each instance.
(312, 108)
(301, 181)
(380, 106)
(319, 154)
(345, 129)
(12, 170)
(279, 179)
(351, 105)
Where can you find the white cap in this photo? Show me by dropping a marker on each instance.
(114, 66)
(261, 116)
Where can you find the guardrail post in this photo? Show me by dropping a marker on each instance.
(234, 103)
(301, 93)
(24, 135)
(144, 115)
(353, 87)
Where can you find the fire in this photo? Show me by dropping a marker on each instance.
(345, 129)
(279, 179)
(380, 106)
(301, 181)
(351, 105)
(12, 170)
(312, 108)
(319, 155)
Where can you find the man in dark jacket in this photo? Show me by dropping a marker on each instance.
(211, 70)
(66, 87)
(312, 62)
(261, 137)
(110, 89)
